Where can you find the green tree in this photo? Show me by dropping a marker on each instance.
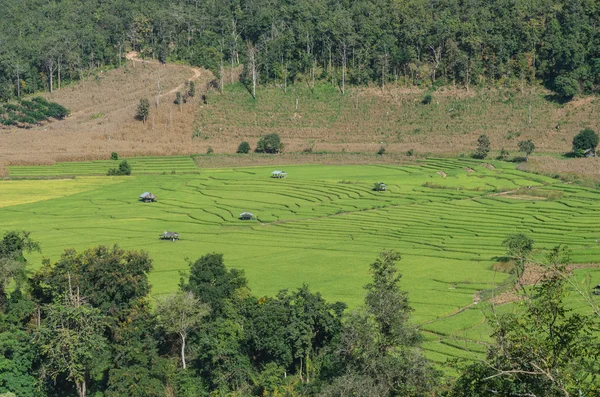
(70, 340)
(270, 143)
(12, 261)
(518, 248)
(483, 147)
(114, 156)
(378, 348)
(111, 279)
(143, 110)
(527, 147)
(243, 148)
(124, 168)
(179, 314)
(17, 363)
(542, 349)
(584, 140)
(212, 283)
(192, 89)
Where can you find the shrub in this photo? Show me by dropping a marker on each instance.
(192, 90)
(483, 147)
(209, 150)
(114, 156)
(410, 152)
(381, 151)
(566, 86)
(270, 143)
(527, 147)
(123, 169)
(427, 99)
(586, 139)
(178, 98)
(243, 148)
(143, 110)
(503, 154)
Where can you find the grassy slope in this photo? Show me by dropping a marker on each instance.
(365, 119)
(322, 226)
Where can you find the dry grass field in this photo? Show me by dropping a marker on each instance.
(102, 118)
(364, 120)
(335, 128)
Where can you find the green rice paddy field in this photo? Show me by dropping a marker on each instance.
(322, 226)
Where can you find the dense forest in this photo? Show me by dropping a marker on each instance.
(86, 325)
(421, 42)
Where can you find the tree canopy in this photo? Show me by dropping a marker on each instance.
(45, 44)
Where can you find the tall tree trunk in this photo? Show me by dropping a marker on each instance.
(59, 68)
(183, 351)
(81, 388)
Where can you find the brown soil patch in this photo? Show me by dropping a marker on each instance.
(442, 173)
(102, 117)
(532, 275)
(523, 197)
(567, 169)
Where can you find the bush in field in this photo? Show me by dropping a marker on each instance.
(243, 148)
(483, 147)
(586, 139)
(143, 110)
(527, 147)
(192, 90)
(124, 169)
(503, 154)
(381, 151)
(270, 143)
(114, 156)
(427, 99)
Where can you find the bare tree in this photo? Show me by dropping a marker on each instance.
(252, 53)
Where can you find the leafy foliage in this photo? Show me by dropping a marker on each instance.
(143, 110)
(527, 146)
(270, 143)
(544, 349)
(586, 139)
(483, 147)
(243, 148)
(124, 169)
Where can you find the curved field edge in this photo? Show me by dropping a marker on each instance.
(321, 226)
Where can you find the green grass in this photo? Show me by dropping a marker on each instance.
(321, 226)
(139, 165)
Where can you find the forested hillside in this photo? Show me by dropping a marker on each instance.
(463, 42)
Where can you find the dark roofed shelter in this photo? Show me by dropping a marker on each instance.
(148, 197)
(246, 216)
(169, 236)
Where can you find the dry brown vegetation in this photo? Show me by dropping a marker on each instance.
(566, 169)
(362, 121)
(366, 119)
(102, 120)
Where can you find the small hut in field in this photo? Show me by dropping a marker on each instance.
(169, 236)
(380, 187)
(278, 174)
(148, 197)
(246, 216)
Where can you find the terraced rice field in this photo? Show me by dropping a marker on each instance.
(142, 165)
(322, 226)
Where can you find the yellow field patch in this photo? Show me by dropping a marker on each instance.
(31, 191)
